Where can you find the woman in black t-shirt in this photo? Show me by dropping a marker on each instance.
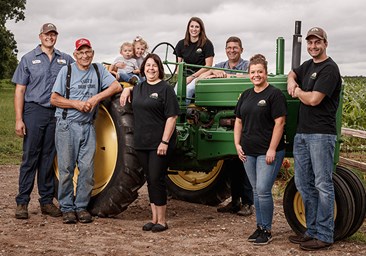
(196, 49)
(258, 137)
(155, 107)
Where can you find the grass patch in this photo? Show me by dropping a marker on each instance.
(10, 144)
(358, 237)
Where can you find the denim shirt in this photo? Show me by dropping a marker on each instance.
(242, 65)
(38, 74)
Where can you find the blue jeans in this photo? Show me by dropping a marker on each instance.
(75, 144)
(190, 91)
(38, 154)
(125, 77)
(314, 164)
(262, 177)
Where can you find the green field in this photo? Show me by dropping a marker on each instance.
(10, 144)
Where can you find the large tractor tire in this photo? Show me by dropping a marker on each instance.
(359, 195)
(210, 188)
(117, 173)
(344, 208)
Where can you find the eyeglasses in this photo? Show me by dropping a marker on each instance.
(87, 53)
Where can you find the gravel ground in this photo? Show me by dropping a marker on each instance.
(193, 230)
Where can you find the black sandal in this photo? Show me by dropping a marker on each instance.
(148, 226)
(159, 228)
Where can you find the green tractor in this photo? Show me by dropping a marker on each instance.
(205, 151)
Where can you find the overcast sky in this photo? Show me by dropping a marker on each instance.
(258, 23)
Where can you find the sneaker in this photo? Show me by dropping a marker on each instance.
(232, 207)
(264, 238)
(246, 210)
(21, 211)
(51, 209)
(69, 217)
(84, 216)
(314, 245)
(255, 235)
(298, 239)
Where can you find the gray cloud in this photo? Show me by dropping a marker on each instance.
(258, 23)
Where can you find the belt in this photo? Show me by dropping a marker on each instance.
(46, 107)
(85, 122)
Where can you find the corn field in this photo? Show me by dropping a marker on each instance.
(354, 116)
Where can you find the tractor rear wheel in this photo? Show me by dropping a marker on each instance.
(359, 195)
(117, 173)
(344, 208)
(210, 188)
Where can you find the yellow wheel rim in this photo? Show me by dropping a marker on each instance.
(193, 180)
(299, 209)
(106, 152)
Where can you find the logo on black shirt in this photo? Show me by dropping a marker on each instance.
(199, 50)
(154, 96)
(262, 103)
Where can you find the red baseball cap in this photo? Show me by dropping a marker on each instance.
(82, 41)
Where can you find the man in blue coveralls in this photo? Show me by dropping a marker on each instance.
(35, 120)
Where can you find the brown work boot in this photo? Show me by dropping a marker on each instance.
(51, 209)
(314, 245)
(298, 239)
(232, 207)
(246, 210)
(84, 216)
(22, 211)
(69, 218)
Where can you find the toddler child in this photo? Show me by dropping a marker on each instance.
(125, 67)
(139, 49)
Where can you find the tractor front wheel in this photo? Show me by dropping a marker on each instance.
(210, 188)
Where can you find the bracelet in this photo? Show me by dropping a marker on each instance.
(165, 142)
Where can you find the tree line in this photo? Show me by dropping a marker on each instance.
(9, 10)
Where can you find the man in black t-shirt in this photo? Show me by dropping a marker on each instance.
(317, 84)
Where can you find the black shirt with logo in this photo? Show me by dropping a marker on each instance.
(323, 77)
(192, 54)
(258, 112)
(152, 106)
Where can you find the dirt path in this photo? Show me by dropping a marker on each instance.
(193, 230)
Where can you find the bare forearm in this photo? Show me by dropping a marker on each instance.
(111, 90)
(238, 126)
(291, 83)
(169, 128)
(311, 98)
(58, 101)
(277, 133)
(19, 101)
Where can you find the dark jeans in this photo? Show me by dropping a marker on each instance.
(38, 154)
(240, 185)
